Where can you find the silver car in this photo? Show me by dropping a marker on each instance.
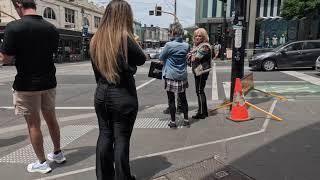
(318, 64)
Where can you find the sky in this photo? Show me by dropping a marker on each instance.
(185, 11)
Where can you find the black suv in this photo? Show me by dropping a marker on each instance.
(291, 55)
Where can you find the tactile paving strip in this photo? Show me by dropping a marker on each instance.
(26, 154)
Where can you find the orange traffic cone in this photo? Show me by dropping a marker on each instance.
(239, 111)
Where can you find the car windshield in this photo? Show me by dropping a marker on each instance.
(279, 47)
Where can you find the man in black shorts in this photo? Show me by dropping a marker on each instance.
(32, 41)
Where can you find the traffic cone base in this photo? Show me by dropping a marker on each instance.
(239, 111)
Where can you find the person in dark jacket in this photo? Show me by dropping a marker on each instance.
(201, 55)
(115, 56)
(32, 41)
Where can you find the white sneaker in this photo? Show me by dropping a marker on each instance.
(58, 158)
(38, 167)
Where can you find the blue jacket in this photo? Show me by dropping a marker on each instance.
(174, 56)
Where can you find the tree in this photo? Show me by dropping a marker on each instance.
(298, 8)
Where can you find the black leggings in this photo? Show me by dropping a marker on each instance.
(172, 104)
(202, 100)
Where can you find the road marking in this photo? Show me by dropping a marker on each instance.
(26, 154)
(63, 119)
(79, 107)
(262, 130)
(57, 108)
(144, 84)
(215, 95)
(226, 87)
(266, 122)
(303, 76)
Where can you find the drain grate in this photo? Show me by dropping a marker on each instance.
(209, 169)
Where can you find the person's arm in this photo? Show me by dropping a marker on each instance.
(136, 53)
(55, 41)
(8, 47)
(5, 59)
(164, 54)
(97, 74)
(203, 51)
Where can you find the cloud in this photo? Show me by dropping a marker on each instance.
(185, 11)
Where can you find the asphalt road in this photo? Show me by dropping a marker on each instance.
(262, 148)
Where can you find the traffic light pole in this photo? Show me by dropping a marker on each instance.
(224, 31)
(175, 11)
(172, 14)
(238, 51)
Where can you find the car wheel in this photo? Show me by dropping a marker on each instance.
(268, 65)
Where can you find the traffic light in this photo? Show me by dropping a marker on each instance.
(158, 10)
(151, 13)
(219, 29)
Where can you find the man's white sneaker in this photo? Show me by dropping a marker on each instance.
(58, 158)
(38, 167)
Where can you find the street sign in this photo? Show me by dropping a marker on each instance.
(238, 36)
(85, 31)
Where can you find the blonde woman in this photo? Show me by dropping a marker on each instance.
(115, 57)
(201, 55)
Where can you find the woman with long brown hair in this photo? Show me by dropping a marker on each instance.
(115, 57)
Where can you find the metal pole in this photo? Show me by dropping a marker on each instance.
(175, 11)
(224, 31)
(239, 26)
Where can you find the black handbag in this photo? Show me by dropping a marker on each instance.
(155, 70)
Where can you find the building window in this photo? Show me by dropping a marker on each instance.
(279, 7)
(49, 13)
(96, 21)
(86, 21)
(204, 8)
(265, 8)
(69, 15)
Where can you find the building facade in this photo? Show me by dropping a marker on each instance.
(210, 15)
(64, 14)
(76, 21)
(154, 36)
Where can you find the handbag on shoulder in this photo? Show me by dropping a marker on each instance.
(202, 67)
(155, 70)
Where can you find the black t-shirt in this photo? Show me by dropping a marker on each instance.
(32, 41)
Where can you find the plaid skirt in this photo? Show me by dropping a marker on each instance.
(175, 86)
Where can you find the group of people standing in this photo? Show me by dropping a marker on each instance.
(176, 56)
(115, 56)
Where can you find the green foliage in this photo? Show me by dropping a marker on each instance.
(189, 36)
(298, 8)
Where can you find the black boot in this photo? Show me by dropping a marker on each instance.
(166, 111)
(199, 116)
(172, 124)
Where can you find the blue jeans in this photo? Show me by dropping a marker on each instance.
(116, 109)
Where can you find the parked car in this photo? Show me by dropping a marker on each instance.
(318, 64)
(152, 53)
(291, 55)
